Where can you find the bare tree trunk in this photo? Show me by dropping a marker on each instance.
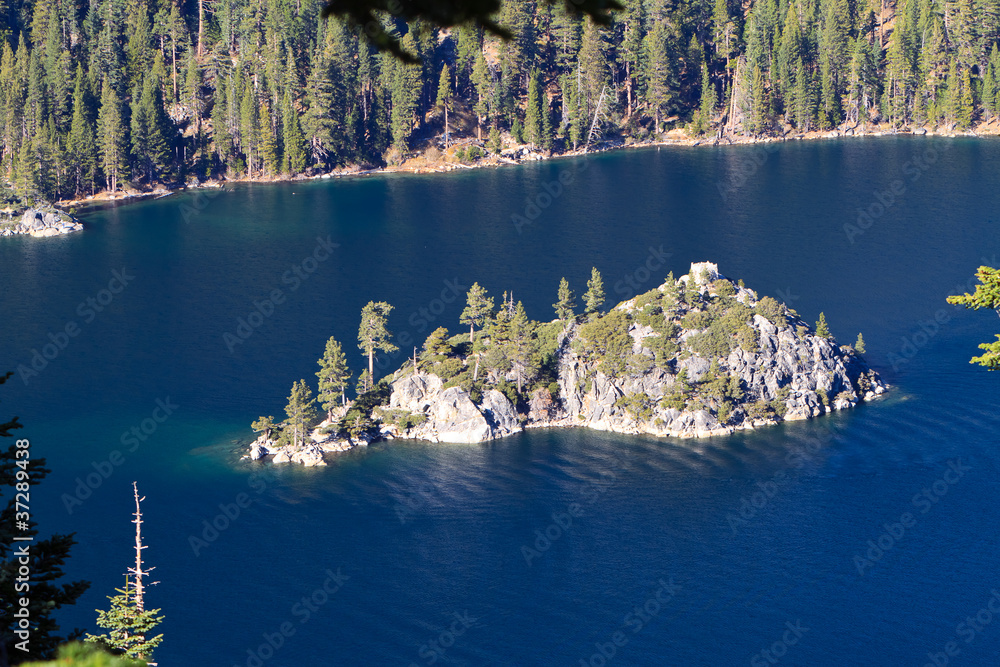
(201, 23)
(138, 587)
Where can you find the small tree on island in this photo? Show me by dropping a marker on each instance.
(264, 425)
(301, 411)
(478, 310)
(593, 299)
(566, 302)
(128, 621)
(859, 345)
(373, 335)
(333, 376)
(987, 295)
(822, 330)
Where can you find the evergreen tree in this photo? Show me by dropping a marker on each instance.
(373, 335)
(264, 425)
(301, 412)
(478, 309)
(533, 126)
(292, 139)
(521, 351)
(821, 328)
(333, 376)
(859, 345)
(406, 87)
(708, 98)
(565, 303)
(128, 621)
(986, 295)
(593, 299)
(444, 98)
(112, 138)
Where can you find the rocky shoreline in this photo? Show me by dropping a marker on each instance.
(41, 223)
(419, 163)
(782, 370)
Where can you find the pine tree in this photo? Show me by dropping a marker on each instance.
(565, 303)
(444, 97)
(112, 138)
(859, 345)
(521, 351)
(301, 412)
(333, 376)
(264, 425)
(373, 335)
(533, 129)
(406, 88)
(270, 148)
(821, 328)
(293, 140)
(593, 299)
(708, 97)
(128, 621)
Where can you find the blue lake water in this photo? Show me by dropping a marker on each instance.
(669, 552)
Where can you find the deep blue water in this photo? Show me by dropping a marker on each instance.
(652, 517)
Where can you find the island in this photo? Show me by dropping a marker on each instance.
(698, 356)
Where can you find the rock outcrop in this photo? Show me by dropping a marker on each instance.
(40, 223)
(451, 416)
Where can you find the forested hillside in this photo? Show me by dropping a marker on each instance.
(96, 95)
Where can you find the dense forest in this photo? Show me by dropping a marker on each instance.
(110, 93)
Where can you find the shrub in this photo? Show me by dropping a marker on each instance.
(636, 405)
(772, 310)
(605, 340)
(697, 320)
(748, 338)
(711, 343)
(723, 288)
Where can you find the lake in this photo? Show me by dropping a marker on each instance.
(868, 537)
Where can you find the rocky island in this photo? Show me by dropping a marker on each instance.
(40, 222)
(701, 355)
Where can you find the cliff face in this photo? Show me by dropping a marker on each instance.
(789, 373)
(696, 357)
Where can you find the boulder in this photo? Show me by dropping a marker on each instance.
(500, 414)
(456, 419)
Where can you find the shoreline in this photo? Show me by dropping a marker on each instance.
(522, 154)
